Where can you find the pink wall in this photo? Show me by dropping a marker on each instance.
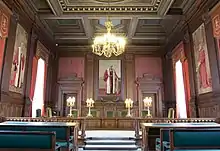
(148, 65)
(68, 66)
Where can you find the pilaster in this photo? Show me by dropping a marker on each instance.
(89, 76)
(129, 76)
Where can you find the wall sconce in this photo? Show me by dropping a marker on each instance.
(90, 103)
(147, 104)
(128, 105)
(70, 103)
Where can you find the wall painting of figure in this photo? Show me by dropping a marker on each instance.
(203, 75)
(19, 61)
(109, 77)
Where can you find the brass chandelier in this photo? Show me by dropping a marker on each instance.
(108, 44)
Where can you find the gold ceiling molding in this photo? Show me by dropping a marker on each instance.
(111, 1)
(151, 7)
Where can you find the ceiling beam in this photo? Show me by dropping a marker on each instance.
(150, 37)
(99, 16)
(87, 27)
(144, 47)
(164, 7)
(132, 27)
(70, 37)
(55, 7)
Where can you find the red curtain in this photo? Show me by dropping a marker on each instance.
(185, 68)
(2, 48)
(179, 54)
(218, 43)
(33, 80)
(45, 84)
(174, 79)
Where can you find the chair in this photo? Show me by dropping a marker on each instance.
(38, 113)
(110, 114)
(171, 113)
(48, 112)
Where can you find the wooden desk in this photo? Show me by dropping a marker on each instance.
(48, 124)
(151, 131)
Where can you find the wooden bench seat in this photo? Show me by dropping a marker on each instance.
(163, 139)
(27, 141)
(194, 139)
(62, 131)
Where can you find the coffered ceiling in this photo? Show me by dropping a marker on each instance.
(146, 24)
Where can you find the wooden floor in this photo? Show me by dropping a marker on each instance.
(110, 141)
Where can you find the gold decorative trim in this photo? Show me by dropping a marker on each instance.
(115, 9)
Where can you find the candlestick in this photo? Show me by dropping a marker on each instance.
(89, 103)
(148, 103)
(128, 105)
(70, 103)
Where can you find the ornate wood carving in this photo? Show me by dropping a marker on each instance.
(10, 109)
(206, 18)
(70, 85)
(215, 16)
(5, 14)
(42, 52)
(149, 84)
(89, 76)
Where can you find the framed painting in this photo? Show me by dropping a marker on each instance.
(110, 78)
(19, 60)
(203, 75)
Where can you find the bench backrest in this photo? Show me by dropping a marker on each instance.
(164, 134)
(10, 140)
(62, 133)
(202, 138)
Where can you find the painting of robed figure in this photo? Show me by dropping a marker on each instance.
(203, 75)
(19, 60)
(109, 77)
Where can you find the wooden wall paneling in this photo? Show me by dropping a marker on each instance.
(69, 85)
(169, 98)
(213, 53)
(89, 76)
(11, 103)
(190, 55)
(54, 85)
(9, 54)
(32, 50)
(204, 99)
(29, 60)
(151, 85)
(130, 76)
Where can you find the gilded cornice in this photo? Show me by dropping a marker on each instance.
(153, 8)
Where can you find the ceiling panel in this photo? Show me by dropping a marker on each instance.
(77, 22)
(66, 25)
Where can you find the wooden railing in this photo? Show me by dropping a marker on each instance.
(86, 123)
